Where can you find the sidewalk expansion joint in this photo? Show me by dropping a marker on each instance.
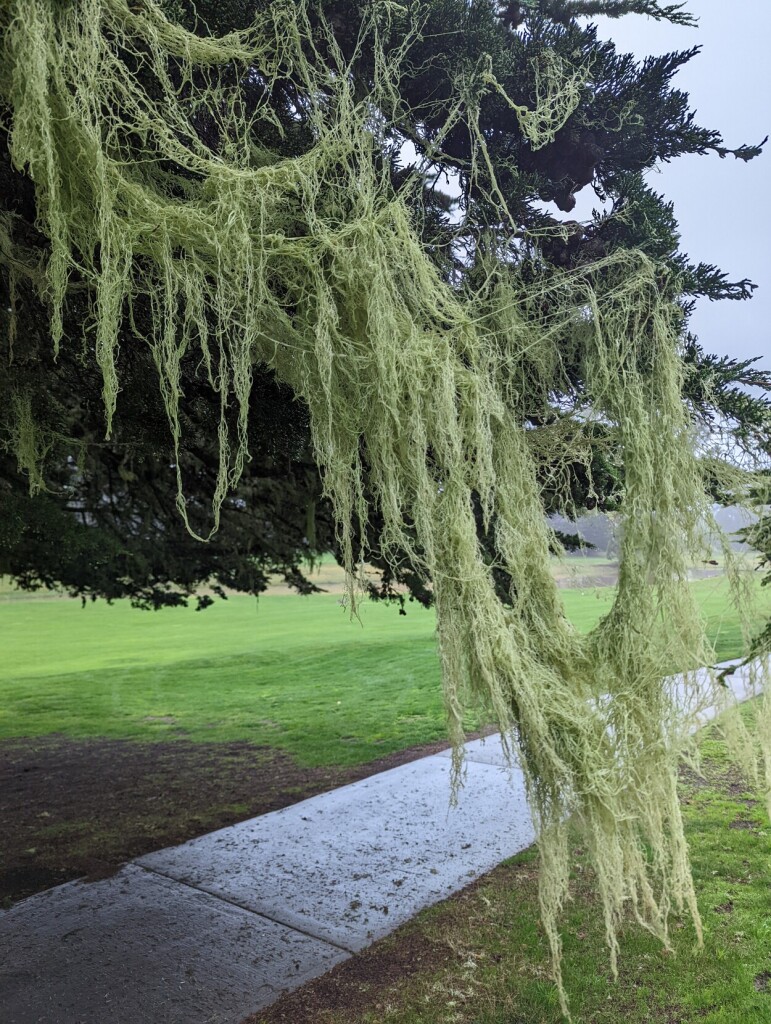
(245, 909)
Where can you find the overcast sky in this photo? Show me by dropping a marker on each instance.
(723, 206)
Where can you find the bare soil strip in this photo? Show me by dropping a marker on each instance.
(73, 808)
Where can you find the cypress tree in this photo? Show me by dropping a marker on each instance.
(230, 216)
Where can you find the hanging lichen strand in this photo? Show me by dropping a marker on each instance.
(418, 393)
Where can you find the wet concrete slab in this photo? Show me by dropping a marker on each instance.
(349, 866)
(744, 683)
(140, 949)
(701, 702)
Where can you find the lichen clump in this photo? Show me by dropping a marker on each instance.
(418, 391)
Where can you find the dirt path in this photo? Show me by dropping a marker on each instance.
(72, 808)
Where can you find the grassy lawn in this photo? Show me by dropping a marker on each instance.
(293, 673)
(481, 957)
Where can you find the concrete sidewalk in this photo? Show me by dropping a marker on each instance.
(217, 928)
(212, 930)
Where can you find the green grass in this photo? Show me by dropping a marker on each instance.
(291, 672)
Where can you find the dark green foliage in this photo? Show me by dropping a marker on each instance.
(759, 536)
(628, 118)
(564, 10)
(729, 396)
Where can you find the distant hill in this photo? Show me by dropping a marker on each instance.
(602, 531)
(731, 518)
(597, 530)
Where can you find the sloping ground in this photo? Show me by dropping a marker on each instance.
(222, 924)
(218, 927)
(481, 957)
(73, 808)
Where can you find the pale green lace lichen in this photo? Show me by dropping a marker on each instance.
(29, 444)
(418, 393)
(557, 94)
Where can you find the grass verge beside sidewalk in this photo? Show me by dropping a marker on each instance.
(481, 957)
